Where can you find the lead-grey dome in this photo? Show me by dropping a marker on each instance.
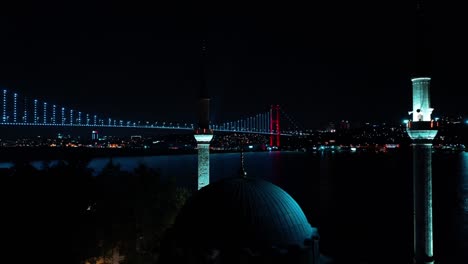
(242, 213)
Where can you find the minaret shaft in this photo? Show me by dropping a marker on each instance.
(203, 164)
(422, 203)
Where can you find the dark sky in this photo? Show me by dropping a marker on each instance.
(321, 62)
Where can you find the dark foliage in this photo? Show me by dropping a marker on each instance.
(62, 213)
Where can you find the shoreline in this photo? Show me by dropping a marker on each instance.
(46, 153)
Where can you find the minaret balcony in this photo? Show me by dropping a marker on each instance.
(422, 131)
(423, 125)
(203, 131)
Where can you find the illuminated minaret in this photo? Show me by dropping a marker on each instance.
(203, 133)
(422, 130)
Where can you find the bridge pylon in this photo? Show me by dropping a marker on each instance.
(275, 126)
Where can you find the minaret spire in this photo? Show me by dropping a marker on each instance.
(203, 54)
(204, 99)
(422, 58)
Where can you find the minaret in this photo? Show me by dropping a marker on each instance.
(422, 130)
(203, 133)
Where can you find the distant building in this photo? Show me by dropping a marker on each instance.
(94, 135)
(136, 138)
(344, 125)
(331, 127)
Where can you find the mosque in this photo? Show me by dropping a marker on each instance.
(239, 219)
(249, 220)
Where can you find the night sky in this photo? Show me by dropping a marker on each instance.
(321, 62)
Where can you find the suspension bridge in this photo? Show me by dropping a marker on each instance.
(20, 110)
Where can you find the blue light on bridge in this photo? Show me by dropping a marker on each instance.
(15, 97)
(53, 114)
(4, 105)
(253, 124)
(45, 113)
(35, 111)
(63, 116)
(25, 114)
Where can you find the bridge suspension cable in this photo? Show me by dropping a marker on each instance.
(37, 112)
(296, 127)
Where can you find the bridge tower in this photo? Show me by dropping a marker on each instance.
(203, 134)
(275, 126)
(422, 130)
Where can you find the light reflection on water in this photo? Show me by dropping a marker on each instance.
(347, 180)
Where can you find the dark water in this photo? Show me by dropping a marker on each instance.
(361, 203)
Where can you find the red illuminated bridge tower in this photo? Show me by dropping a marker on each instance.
(275, 126)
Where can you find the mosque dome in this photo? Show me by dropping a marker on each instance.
(242, 212)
